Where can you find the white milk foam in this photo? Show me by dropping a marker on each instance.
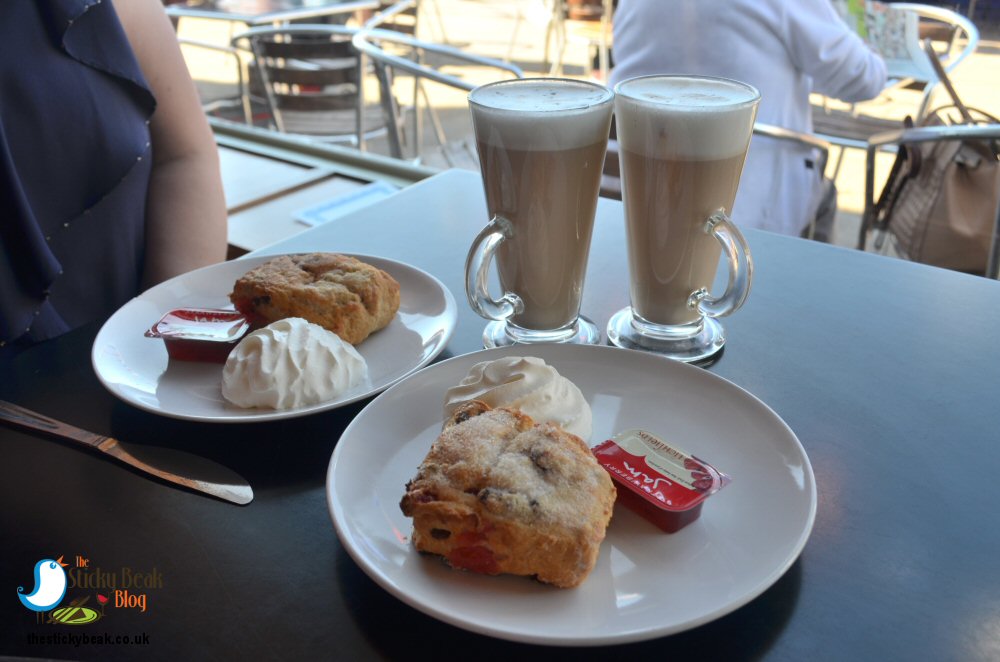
(540, 114)
(678, 117)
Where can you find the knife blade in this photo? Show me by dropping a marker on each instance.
(201, 474)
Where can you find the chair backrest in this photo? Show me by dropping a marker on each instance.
(958, 32)
(311, 76)
(611, 185)
(377, 45)
(402, 19)
(896, 32)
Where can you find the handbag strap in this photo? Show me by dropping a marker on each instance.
(943, 77)
(964, 111)
(905, 167)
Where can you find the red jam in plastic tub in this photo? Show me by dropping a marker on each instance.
(661, 482)
(197, 334)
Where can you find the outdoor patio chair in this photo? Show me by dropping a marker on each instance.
(586, 23)
(237, 106)
(909, 66)
(402, 19)
(313, 82)
(400, 16)
(611, 186)
(429, 62)
(407, 20)
(896, 31)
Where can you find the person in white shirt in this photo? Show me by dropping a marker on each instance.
(784, 48)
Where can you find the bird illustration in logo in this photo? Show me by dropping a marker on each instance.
(50, 586)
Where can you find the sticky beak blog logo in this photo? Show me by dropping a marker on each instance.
(50, 586)
(124, 589)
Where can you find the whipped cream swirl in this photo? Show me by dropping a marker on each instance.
(291, 363)
(529, 384)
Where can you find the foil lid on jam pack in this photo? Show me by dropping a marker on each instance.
(661, 482)
(200, 334)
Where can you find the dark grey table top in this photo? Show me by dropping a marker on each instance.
(887, 372)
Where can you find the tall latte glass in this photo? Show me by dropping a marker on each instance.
(683, 140)
(541, 145)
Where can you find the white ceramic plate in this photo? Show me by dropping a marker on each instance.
(137, 370)
(646, 583)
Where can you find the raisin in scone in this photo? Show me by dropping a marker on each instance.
(340, 293)
(498, 493)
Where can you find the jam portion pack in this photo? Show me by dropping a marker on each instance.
(199, 334)
(661, 482)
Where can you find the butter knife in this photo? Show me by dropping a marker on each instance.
(202, 475)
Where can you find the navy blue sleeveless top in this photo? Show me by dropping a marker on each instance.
(75, 161)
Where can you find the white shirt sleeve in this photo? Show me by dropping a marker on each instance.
(822, 46)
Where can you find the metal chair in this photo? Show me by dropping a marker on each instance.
(611, 178)
(222, 107)
(907, 67)
(592, 28)
(312, 79)
(424, 64)
(821, 146)
(407, 20)
(910, 66)
(402, 19)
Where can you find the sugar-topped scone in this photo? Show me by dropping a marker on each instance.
(340, 293)
(499, 494)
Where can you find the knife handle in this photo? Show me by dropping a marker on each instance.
(29, 420)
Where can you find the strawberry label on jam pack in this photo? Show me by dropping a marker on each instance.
(661, 482)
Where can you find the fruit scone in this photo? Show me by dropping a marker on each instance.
(498, 493)
(340, 293)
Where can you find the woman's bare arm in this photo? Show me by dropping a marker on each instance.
(186, 209)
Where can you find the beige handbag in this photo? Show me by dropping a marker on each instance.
(940, 200)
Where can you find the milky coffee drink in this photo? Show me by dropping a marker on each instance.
(683, 142)
(541, 146)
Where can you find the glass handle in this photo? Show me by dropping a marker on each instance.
(477, 269)
(740, 269)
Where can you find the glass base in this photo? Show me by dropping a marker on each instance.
(505, 334)
(690, 343)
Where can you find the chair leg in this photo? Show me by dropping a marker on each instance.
(604, 58)
(560, 51)
(518, 18)
(925, 102)
(556, 28)
(390, 110)
(548, 43)
(418, 119)
(439, 134)
(471, 151)
(993, 261)
(440, 21)
(838, 163)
